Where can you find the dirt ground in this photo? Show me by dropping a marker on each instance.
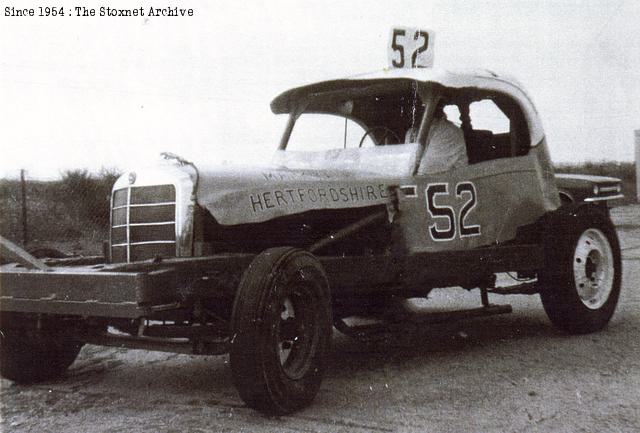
(512, 373)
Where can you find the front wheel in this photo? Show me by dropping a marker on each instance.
(281, 331)
(29, 356)
(581, 285)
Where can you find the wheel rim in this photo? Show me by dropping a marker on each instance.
(296, 335)
(593, 268)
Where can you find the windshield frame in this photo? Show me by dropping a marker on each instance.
(318, 103)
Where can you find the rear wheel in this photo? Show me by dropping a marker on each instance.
(281, 327)
(581, 285)
(29, 356)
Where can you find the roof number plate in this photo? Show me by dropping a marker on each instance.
(411, 48)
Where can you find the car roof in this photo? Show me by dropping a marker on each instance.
(481, 79)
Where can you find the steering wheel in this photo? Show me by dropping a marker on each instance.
(387, 133)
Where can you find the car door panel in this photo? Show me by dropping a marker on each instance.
(473, 206)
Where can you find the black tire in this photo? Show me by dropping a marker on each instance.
(35, 356)
(580, 286)
(279, 282)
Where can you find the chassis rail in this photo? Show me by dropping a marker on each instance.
(141, 289)
(130, 290)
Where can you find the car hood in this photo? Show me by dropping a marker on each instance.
(582, 179)
(242, 195)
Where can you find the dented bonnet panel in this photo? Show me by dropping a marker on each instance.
(260, 194)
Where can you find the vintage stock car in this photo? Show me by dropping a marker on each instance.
(384, 186)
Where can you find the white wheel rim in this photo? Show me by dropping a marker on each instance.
(593, 268)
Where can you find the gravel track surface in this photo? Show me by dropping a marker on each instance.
(511, 373)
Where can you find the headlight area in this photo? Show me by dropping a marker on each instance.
(603, 192)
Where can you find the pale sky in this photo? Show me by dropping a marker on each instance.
(87, 92)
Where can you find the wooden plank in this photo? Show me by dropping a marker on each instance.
(13, 253)
(80, 308)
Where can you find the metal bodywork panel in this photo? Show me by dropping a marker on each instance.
(513, 191)
(509, 193)
(337, 179)
(257, 195)
(349, 178)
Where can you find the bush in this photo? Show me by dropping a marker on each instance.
(68, 214)
(86, 196)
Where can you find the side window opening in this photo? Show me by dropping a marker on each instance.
(453, 114)
(496, 129)
(485, 115)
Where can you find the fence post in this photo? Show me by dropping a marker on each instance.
(23, 189)
(637, 135)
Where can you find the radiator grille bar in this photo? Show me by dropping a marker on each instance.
(143, 223)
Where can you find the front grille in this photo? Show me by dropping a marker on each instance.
(143, 223)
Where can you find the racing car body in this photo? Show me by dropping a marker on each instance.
(359, 210)
(507, 183)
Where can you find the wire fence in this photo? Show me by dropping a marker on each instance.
(70, 215)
